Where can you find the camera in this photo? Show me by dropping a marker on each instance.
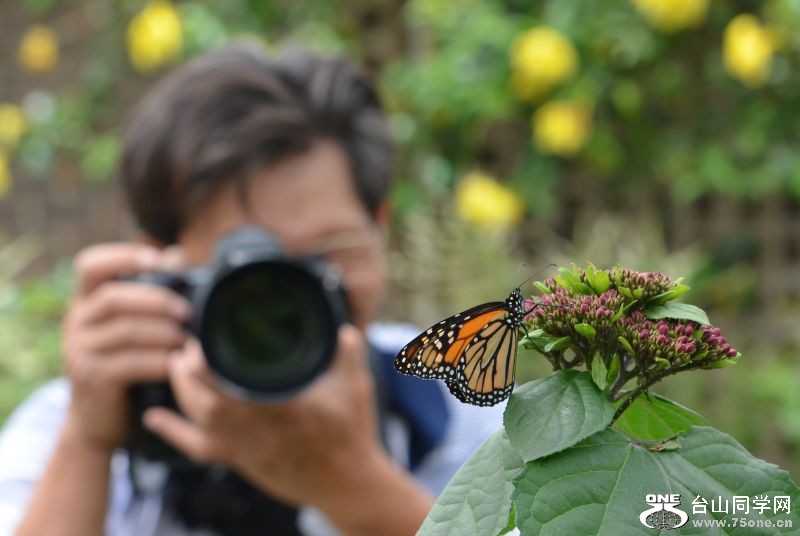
(268, 323)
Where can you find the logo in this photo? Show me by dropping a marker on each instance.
(664, 513)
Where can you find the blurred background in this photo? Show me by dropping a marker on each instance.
(657, 134)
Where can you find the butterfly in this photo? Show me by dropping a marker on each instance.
(474, 352)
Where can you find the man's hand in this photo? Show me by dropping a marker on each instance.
(116, 334)
(320, 449)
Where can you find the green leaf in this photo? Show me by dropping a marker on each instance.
(725, 362)
(477, 500)
(673, 443)
(582, 288)
(677, 311)
(590, 276)
(541, 286)
(599, 371)
(662, 363)
(565, 284)
(672, 294)
(626, 292)
(558, 344)
(625, 344)
(532, 336)
(569, 275)
(570, 280)
(553, 413)
(586, 331)
(602, 282)
(622, 310)
(512, 522)
(613, 369)
(599, 485)
(653, 418)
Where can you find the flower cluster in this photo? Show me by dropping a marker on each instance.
(558, 313)
(619, 323)
(641, 286)
(672, 344)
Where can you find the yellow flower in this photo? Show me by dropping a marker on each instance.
(747, 50)
(155, 36)
(12, 124)
(562, 127)
(541, 59)
(38, 50)
(484, 201)
(5, 175)
(673, 15)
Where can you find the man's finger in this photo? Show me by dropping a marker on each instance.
(200, 401)
(129, 367)
(137, 332)
(118, 297)
(97, 264)
(183, 435)
(351, 351)
(195, 365)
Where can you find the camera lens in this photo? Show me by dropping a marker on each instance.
(269, 328)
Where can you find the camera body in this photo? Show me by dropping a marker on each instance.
(268, 324)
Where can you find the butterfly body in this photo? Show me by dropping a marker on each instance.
(473, 351)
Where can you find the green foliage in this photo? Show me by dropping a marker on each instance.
(599, 485)
(30, 315)
(589, 466)
(677, 311)
(569, 408)
(655, 418)
(478, 497)
(449, 85)
(622, 325)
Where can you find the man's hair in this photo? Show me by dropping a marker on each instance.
(234, 111)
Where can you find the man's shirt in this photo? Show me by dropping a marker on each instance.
(425, 429)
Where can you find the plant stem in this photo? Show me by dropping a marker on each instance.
(634, 394)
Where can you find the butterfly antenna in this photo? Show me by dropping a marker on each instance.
(537, 273)
(519, 271)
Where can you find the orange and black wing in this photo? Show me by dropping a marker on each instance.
(473, 351)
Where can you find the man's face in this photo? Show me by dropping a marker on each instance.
(310, 203)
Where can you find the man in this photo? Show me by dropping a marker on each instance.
(297, 145)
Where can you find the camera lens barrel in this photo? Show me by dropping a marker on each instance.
(269, 326)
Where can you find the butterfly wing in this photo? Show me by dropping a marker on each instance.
(474, 351)
(489, 363)
(425, 355)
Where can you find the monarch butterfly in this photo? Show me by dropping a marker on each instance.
(474, 351)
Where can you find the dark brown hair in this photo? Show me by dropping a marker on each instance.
(237, 109)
